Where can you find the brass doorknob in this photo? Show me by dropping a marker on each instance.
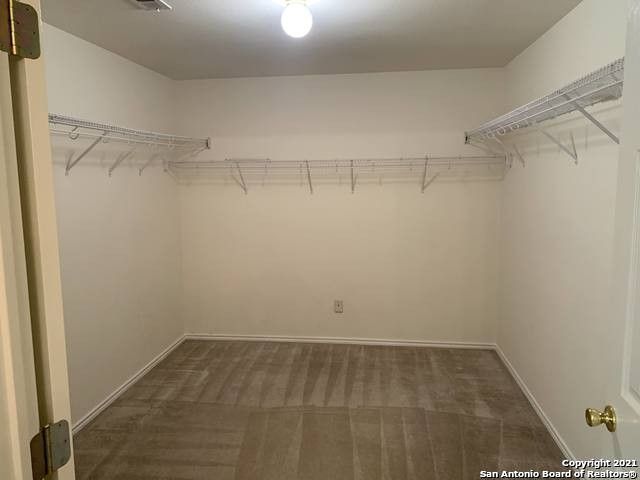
(608, 417)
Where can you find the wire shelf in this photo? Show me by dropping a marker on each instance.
(603, 85)
(102, 133)
(76, 128)
(421, 171)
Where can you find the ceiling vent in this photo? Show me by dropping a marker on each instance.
(156, 5)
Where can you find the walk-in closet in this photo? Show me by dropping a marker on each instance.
(319, 239)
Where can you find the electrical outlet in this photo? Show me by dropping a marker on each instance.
(338, 306)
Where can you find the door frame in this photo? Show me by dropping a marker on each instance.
(32, 193)
(18, 396)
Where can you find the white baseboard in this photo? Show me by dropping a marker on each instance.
(94, 412)
(339, 340)
(562, 445)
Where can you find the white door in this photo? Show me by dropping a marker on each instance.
(620, 352)
(34, 389)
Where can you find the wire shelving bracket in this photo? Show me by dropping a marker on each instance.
(422, 171)
(75, 128)
(603, 85)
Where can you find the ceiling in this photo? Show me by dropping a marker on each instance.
(243, 38)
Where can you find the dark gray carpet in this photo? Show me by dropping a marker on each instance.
(279, 411)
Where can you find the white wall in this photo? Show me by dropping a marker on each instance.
(408, 266)
(120, 251)
(557, 229)
(269, 263)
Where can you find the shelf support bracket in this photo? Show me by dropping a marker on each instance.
(505, 150)
(572, 153)
(594, 120)
(241, 181)
(519, 155)
(598, 124)
(424, 173)
(427, 184)
(309, 177)
(120, 159)
(147, 163)
(169, 171)
(353, 179)
(190, 154)
(72, 163)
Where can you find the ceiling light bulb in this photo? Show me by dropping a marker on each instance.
(297, 19)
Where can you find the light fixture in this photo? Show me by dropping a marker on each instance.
(296, 19)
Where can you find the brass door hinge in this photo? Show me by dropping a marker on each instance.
(50, 449)
(19, 29)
